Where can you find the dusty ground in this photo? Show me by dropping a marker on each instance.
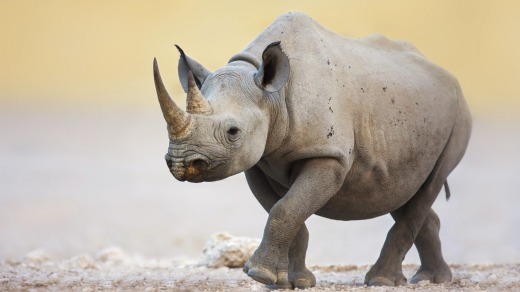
(113, 269)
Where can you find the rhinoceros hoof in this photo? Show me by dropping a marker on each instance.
(380, 281)
(302, 280)
(440, 275)
(390, 279)
(282, 282)
(246, 267)
(261, 275)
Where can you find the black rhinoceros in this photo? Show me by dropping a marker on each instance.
(347, 129)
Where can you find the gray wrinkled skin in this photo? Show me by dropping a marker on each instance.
(347, 129)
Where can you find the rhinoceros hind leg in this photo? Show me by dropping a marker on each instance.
(387, 271)
(437, 275)
(410, 218)
(433, 267)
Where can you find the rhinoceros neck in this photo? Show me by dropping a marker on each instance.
(246, 57)
(275, 105)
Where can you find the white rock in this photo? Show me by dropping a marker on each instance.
(37, 256)
(113, 254)
(83, 261)
(224, 250)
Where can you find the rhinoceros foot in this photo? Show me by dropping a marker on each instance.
(441, 274)
(378, 276)
(302, 279)
(296, 279)
(262, 275)
(265, 268)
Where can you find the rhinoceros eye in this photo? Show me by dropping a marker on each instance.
(232, 131)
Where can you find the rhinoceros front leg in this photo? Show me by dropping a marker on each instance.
(315, 181)
(299, 276)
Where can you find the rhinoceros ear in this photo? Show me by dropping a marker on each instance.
(275, 69)
(187, 64)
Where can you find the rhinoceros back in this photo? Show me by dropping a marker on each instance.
(376, 105)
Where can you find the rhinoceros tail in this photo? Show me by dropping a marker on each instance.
(447, 190)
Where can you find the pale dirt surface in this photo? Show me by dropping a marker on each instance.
(112, 269)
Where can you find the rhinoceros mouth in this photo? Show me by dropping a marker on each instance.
(178, 172)
(192, 173)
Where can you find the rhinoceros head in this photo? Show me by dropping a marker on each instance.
(226, 123)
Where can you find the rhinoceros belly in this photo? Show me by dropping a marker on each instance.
(377, 188)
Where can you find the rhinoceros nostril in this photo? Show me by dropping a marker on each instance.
(199, 164)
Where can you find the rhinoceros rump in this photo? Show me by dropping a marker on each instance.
(347, 129)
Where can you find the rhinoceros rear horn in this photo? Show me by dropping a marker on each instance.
(195, 102)
(177, 120)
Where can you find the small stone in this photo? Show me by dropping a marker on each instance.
(224, 250)
(113, 254)
(37, 256)
(84, 261)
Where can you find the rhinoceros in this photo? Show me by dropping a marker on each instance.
(343, 128)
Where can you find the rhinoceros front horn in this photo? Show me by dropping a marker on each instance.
(195, 102)
(177, 120)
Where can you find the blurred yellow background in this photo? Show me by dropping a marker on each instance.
(60, 52)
